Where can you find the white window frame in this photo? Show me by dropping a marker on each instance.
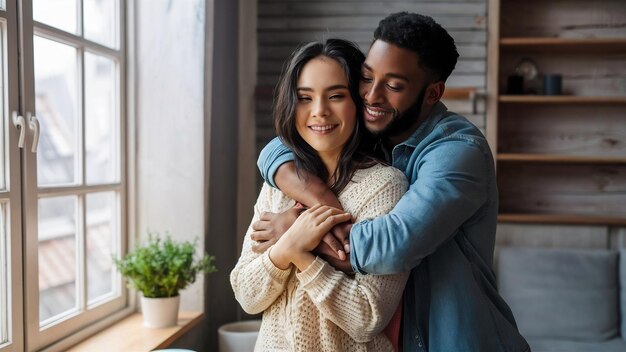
(35, 337)
(12, 196)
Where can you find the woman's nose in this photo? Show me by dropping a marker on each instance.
(320, 109)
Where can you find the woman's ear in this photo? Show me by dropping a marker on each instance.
(434, 92)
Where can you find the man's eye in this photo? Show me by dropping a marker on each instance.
(366, 79)
(395, 88)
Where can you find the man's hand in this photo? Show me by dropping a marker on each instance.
(335, 244)
(271, 227)
(341, 265)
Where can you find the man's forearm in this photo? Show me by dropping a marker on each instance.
(308, 190)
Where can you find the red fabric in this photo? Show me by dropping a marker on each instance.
(392, 331)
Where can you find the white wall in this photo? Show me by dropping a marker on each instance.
(170, 124)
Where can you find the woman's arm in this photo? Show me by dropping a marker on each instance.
(361, 305)
(256, 281)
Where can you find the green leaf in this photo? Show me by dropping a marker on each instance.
(163, 267)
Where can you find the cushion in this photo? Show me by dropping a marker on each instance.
(569, 294)
(613, 345)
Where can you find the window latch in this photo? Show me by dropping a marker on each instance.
(33, 124)
(20, 124)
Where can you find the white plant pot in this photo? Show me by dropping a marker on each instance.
(239, 336)
(160, 312)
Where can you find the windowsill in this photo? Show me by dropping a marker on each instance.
(129, 334)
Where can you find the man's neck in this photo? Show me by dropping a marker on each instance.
(393, 140)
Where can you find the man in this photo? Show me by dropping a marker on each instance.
(443, 229)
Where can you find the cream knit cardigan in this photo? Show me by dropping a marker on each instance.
(320, 308)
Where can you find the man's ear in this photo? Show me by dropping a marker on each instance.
(434, 92)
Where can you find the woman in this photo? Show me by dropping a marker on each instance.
(307, 305)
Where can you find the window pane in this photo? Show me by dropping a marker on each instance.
(4, 294)
(102, 231)
(100, 21)
(57, 256)
(101, 120)
(61, 14)
(56, 89)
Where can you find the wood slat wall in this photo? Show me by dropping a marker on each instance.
(285, 24)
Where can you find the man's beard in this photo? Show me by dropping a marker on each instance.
(403, 121)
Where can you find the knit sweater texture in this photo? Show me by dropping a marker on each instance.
(320, 308)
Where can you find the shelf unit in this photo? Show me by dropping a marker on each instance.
(560, 99)
(586, 45)
(560, 159)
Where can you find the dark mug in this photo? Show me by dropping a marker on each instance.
(515, 84)
(552, 84)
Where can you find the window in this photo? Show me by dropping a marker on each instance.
(63, 190)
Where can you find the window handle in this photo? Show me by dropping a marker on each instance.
(33, 123)
(19, 123)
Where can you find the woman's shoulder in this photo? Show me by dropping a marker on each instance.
(273, 200)
(379, 173)
(374, 179)
(376, 188)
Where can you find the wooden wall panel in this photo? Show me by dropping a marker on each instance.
(563, 189)
(566, 19)
(563, 130)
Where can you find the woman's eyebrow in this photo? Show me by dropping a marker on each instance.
(337, 86)
(333, 87)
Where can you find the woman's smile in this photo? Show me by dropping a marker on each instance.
(323, 129)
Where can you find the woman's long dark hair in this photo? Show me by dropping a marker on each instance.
(353, 156)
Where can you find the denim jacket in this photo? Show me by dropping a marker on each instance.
(443, 231)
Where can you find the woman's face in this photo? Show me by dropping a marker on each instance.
(325, 113)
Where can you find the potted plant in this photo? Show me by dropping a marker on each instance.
(159, 269)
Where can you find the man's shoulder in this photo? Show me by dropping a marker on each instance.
(456, 132)
(456, 125)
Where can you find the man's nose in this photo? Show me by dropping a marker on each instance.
(373, 94)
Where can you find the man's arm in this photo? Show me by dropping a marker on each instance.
(277, 169)
(451, 185)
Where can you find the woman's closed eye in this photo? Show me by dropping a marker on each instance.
(337, 97)
(304, 98)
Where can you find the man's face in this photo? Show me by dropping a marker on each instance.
(392, 83)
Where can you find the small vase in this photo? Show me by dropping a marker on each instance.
(160, 312)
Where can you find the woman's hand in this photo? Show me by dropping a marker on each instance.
(305, 234)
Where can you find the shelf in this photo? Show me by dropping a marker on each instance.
(540, 44)
(555, 158)
(560, 99)
(561, 219)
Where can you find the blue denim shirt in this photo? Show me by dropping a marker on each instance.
(443, 231)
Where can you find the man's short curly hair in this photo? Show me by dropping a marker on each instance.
(421, 34)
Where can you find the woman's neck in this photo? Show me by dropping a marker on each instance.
(330, 161)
